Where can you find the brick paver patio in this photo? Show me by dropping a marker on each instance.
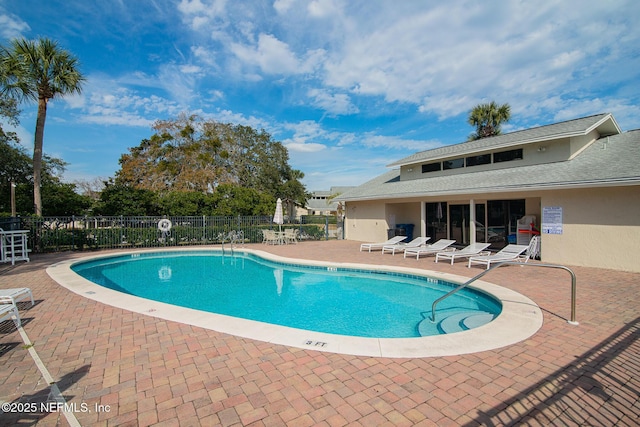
(124, 369)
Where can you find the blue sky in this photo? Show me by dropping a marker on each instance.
(348, 86)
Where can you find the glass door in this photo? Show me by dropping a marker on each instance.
(459, 223)
(502, 221)
(436, 221)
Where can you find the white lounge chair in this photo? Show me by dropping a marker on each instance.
(473, 249)
(439, 246)
(15, 295)
(392, 241)
(508, 253)
(10, 312)
(415, 243)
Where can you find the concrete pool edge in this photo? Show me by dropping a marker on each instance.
(520, 317)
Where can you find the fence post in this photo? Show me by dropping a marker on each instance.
(326, 228)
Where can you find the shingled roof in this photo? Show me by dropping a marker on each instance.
(605, 123)
(610, 160)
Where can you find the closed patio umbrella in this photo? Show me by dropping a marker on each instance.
(278, 218)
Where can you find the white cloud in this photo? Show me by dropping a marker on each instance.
(334, 104)
(190, 69)
(323, 8)
(396, 143)
(199, 14)
(441, 56)
(11, 26)
(272, 56)
(305, 147)
(282, 6)
(111, 102)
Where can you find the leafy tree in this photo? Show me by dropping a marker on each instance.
(185, 203)
(487, 119)
(191, 154)
(38, 70)
(120, 199)
(232, 199)
(61, 199)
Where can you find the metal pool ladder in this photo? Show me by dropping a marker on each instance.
(572, 321)
(234, 237)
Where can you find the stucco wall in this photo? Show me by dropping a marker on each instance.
(366, 221)
(601, 228)
(369, 221)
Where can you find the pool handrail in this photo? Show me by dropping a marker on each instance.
(572, 321)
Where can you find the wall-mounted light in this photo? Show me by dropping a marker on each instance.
(410, 170)
(541, 149)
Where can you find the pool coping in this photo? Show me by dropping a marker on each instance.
(520, 317)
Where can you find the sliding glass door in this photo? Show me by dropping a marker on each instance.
(460, 223)
(502, 221)
(495, 221)
(436, 221)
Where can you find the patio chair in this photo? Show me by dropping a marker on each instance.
(415, 243)
(271, 237)
(290, 235)
(508, 253)
(473, 249)
(392, 241)
(439, 246)
(15, 295)
(10, 312)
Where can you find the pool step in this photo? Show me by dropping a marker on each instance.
(456, 322)
(465, 321)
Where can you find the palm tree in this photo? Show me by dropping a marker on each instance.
(487, 119)
(38, 70)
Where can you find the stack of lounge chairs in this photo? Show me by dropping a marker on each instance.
(473, 249)
(416, 243)
(375, 246)
(439, 246)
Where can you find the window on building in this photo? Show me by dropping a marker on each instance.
(507, 156)
(483, 159)
(431, 167)
(453, 164)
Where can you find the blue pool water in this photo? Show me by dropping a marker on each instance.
(324, 299)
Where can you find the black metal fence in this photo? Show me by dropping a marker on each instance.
(77, 233)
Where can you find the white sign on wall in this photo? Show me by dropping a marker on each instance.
(552, 220)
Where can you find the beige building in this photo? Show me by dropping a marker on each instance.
(325, 202)
(576, 183)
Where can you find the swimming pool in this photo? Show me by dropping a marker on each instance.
(344, 301)
(519, 319)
